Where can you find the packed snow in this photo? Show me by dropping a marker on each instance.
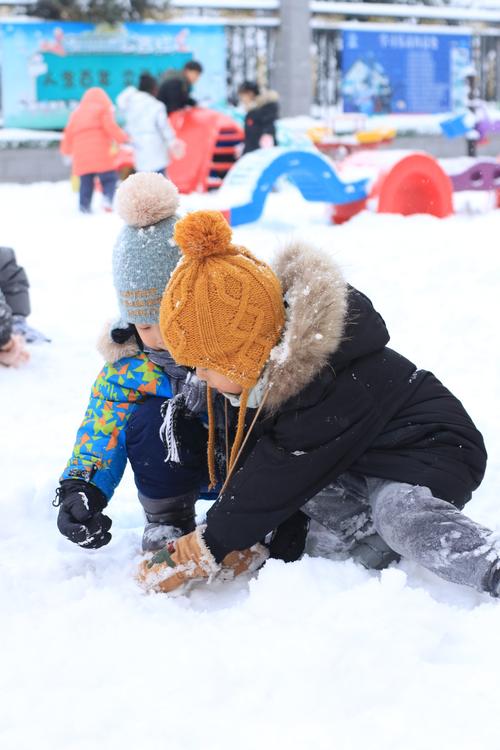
(317, 654)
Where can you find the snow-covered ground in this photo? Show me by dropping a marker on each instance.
(318, 654)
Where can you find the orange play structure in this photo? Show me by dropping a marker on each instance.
(402, 183)
(211, 139)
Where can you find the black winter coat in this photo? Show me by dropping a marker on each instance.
(14, 292)
(175, 91)
(5, 321)
(261, 120)
(341, 400)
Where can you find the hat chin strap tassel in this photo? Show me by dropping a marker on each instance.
(211, 441)
(169, 412)
(239, 429)
(235, 454)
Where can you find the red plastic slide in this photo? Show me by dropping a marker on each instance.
(210, 139)
(416, 184)
(403, 182)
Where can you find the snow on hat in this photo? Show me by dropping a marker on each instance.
(145, 253)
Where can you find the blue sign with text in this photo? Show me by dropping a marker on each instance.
(404, 72)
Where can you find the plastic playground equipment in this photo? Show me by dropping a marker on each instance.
(405, 182)
(211, 139)
(473, 174)
(337, 146)
(253, 176)
(402, 182)
(460, 124)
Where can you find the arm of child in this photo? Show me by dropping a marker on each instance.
(5, 321)
(112, 129)
(66, 146)
(288, 466)
(14, 283)
(99, 453)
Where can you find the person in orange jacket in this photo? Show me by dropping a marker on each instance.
(89, 139)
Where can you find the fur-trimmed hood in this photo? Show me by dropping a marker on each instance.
(110, 349)
(266, 97)
(316, 295)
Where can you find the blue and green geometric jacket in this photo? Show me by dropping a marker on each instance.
(128, 378)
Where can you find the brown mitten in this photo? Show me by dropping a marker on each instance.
(188, 559)
(243, 561)
(185, 559)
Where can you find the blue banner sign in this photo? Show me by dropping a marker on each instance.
(404, 72)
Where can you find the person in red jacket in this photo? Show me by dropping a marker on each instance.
(90, 138)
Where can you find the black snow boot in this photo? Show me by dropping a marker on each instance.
(167, 518)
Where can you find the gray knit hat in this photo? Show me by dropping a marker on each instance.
(145, 253)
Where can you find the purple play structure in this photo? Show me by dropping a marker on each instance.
(478, 175)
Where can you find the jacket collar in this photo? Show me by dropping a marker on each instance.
(266, 97)
(316, 295)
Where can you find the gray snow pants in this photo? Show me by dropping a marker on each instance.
(413, 523)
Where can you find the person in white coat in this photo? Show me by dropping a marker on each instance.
(153, 141)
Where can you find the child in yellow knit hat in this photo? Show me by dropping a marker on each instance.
(224, 311)
(332, 424)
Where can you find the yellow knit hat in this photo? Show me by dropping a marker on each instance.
(222, 308)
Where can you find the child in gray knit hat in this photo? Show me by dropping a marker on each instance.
(145, 253)
(124, 415)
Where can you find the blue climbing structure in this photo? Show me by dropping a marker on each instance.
(253, 176)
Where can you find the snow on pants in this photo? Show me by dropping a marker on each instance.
(414, 524)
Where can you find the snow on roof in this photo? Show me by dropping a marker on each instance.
(393, 10)
(227, 4)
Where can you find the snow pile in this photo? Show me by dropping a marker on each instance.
(319, 654)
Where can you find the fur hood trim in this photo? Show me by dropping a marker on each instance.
(266, 97)
(316, 294)
(110, 350)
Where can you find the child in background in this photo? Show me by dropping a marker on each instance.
(12, 349)
(14, 309)
(152, 139)
(90, 139)
(124, 416)
(261, 114)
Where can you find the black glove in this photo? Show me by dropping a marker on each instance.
(80, 518)
(289, 539)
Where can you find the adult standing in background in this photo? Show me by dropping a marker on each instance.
(175, 89)
(151, 136)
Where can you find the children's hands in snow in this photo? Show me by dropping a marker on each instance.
(177, 149)
(80, 516)
(188, 560)
(14, 353)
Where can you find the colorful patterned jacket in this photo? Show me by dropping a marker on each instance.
(128, 377)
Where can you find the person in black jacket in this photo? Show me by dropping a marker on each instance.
(175, 89)
(261, 115)
(329, 417)
(14, 309)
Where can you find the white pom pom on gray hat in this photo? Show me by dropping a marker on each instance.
(146, 198)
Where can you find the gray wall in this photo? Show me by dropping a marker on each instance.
(32, 165)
